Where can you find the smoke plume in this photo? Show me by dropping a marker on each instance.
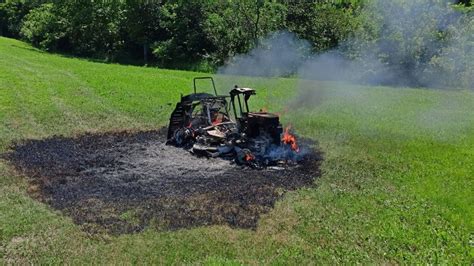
(280, 54)
(419, 43)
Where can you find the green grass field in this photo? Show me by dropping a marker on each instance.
(397, 183)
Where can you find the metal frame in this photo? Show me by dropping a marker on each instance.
(202, 78)
(235, 93)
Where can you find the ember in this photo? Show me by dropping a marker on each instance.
(249, 157)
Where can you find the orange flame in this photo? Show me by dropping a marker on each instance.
(289, 139)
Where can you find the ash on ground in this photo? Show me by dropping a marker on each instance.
(124, 182)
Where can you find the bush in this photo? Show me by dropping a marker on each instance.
(415, 43)
(454, 66)
(235, 27)
(93, 27)
(43, 28)
(11, 16)
(325, 25)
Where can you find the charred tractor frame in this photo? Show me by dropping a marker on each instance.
(223, 125)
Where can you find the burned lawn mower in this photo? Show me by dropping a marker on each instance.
(203, 124)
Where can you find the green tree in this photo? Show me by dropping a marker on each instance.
(324, 24)
(93, 27)
(454, 65)
(12, 14)
(3, 20)
(43, 28)
(142, 25)
(186, 43)
(234, 27)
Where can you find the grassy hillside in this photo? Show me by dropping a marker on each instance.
(397, 182)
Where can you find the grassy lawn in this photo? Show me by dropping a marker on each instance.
(397, 184)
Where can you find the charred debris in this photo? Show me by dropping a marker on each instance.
(223, 126)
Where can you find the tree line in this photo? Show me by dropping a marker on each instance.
(180, 33)
(187, 34)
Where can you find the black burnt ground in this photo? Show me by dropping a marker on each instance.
(124, 182)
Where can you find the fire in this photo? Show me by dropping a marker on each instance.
(289, 139)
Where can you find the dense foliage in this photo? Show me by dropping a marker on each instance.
(173, 33)
(202, 35)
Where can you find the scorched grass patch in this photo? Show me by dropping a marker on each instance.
(125, 182)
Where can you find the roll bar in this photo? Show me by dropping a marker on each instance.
(212, 80)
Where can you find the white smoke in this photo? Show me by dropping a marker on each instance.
(421, 43)
(280, 54)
